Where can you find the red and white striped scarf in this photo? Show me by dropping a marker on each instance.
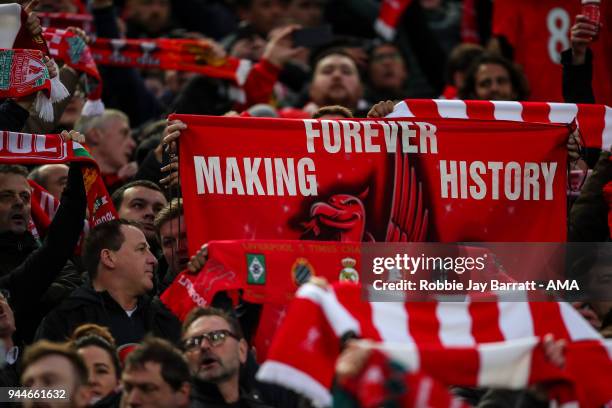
(594, 121)
(477, 344)
(388, 17)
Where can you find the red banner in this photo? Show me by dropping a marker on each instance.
(265, 271)
(445, 180)
(26, 148)
(262, 272)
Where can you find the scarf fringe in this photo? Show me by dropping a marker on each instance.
(93, 107)
(58, 90)
(44, 107)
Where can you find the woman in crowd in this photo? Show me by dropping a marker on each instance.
(96, 346)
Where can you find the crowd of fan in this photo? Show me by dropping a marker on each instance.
(68, 323)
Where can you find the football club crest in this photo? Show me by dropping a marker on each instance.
(256, 269)
(302, 271)
(348, 272)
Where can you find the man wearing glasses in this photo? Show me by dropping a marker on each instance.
(216, 352)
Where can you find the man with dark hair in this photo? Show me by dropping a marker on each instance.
(262, 15)
(148, 18)
(216, 350)
(37, 276)
(156, 375)
(335, 81)
(492, 77)
(332, 112)
(120, 266)
(9, 373)
(59, 369)
(387, 73)
(51, 177)
(140, 201)
(170, 228)
(459, 61)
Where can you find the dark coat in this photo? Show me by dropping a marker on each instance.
(588, 218)
(110, 401)
(40, 276)
(205, 395)
(577, 79)
(12, 116)
(85, 305)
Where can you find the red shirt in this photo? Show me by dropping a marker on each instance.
(539, 30)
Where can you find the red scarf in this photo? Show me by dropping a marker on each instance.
(16, 23)
(27, 73)
(383, 382)
(70, 48)
(164, 53)
(471, 344)
(594, 121)
(388, 17)
(65, 20)
(469, 26)
(25, 148)
(44, 206)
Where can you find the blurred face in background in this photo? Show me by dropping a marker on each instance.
(431, 4)
(263, 15)
(72, 113)
(55, 372)
(250, 48)
(61, 6)
(307, 13)
(173, 240)
(493, 83)
(336, 82)
(387, 69)
(152, 15)
(7, 318)
(103, 377)
(114, 144)
(55, 178)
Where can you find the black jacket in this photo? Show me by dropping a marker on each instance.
(12, 116)
(204, 395)
(588, 218)
(110, 401)
(39, 277)
(577, 79)
(85, 305)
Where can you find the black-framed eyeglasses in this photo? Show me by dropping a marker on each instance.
(215, 338)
